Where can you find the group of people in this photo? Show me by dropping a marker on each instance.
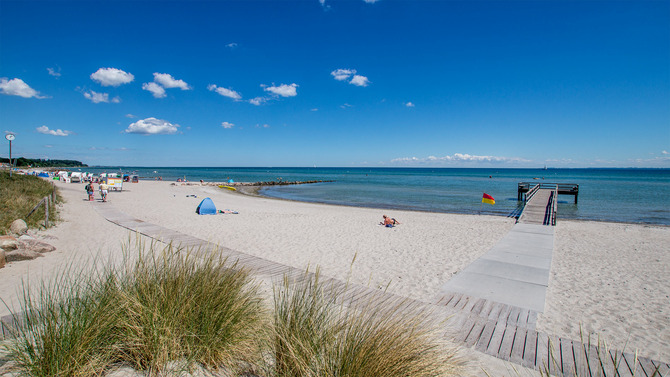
(104, 190)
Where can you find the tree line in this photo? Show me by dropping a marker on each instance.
(42, 163)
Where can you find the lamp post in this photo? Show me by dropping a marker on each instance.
(10, 137)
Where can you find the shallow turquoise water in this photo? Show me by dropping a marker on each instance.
(622, 195)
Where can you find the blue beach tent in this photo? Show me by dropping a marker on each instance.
(43, 175)
(206, 207)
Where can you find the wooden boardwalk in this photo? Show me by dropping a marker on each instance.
(540, 209)
(501, 330)
(509, 333)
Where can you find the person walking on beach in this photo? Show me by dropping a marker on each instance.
(103, 191)
(89, 191)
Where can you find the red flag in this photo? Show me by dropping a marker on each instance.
(488, 199)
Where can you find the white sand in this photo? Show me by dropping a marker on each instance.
(613, 280)
(596, 280)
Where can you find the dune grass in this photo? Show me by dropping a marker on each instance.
(167, 306)
(314, 336)
(178, 307)
(66, 326)
(167, 311)
(18, 195)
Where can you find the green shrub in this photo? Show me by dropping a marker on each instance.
(19, 195)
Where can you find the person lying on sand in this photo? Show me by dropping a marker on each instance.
(389, 222)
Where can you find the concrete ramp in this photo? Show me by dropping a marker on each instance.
(515, 271)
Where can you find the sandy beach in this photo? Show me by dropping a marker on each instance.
(612, 279)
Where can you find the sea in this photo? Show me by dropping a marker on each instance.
(615, 195)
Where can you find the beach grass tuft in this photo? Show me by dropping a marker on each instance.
(316, 336)
(66, 326)
(164, 308)
(19, 195)
(180, 307)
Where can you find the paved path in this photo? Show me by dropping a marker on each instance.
(515, 271)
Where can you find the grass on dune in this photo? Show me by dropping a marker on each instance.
(314, 336)
(176, 306)
(169, 307)
(66, 326)
(19, 195)
(166, 307)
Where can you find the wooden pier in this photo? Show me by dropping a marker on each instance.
(541, 201)
(563, 189)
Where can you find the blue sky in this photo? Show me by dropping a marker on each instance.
(338, 83)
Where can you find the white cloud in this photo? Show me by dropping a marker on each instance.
(664, 152)
(342, 74)
(409, 104)
(459, 157)
(314, 109)
(227, 125)
(130, 116)
(112, 77)
(258, 101)
(96, 97)
(283, 90)
(45, 130)
(370, 1)
(152, 126)
(225, 92)
(231, 45)
(359, 80)
(167, 81)
(323, 4)
(16, 87)
(155, 89)
(346, 105)
(346, 74)
(53, 72)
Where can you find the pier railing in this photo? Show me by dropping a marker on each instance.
(529, 189)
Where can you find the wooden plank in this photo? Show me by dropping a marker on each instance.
(505, 351)
(647, 365)
(523, 318)
(567, 357)
(475, 333)
(455, 300)
(552, 357)
(663, 368)
(530, 350)
(631, 362)
(519, 345)
(504, 313)
(478, 306)
(619, 364)
(465, 330)
(495, 311)
(486, 310)
(485, 337)
(445, 299)
(463, 302)
(513, 316)
(496, 339)
(588, 358)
